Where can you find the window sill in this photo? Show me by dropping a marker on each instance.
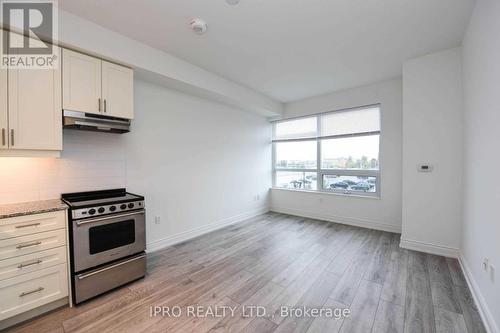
(376, 197)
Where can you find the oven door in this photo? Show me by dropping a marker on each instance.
(99, 240)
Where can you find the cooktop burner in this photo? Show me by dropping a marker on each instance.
(96, 203)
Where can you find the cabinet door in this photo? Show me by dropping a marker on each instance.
(35, 114)
(4, 128)
(118, 90)
(81, 82)
(31, 290)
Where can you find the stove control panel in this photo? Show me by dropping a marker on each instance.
(106, 209)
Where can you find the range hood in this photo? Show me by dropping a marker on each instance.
(93, 122)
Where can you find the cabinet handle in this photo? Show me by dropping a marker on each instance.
(11, 137)
(28, 245)
(99, 104)
(29, 264)
(31, 292)
(105, 106)
(27, 225)
(3, 136)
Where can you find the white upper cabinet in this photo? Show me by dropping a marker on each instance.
(34, 109)
(117, 90)
(4, 126)
(92, 85)
(81, 82)
(30, 111)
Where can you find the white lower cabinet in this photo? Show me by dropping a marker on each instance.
(33, 264)
(18, 246)
(32, 224)
(29, 291)
(28, 263)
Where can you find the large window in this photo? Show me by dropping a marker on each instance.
(331, 152)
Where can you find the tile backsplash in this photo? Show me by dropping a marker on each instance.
(89, 161)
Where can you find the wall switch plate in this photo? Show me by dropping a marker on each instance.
(157, 220)
(424, 168)
(486, 263)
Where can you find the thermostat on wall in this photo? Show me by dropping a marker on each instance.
(425, 168)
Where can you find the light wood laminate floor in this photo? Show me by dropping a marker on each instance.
(278, 260)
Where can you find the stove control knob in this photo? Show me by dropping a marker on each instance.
(131, 205)
(101, 210)
(112, 208)
(91, 211)
(123, 206)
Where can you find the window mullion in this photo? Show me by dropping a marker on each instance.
(273, 167)
(319, 177)
(352, 135)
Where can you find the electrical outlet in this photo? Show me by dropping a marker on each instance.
(258, 197)
(157, 220)
(486, 263)
(320, 200)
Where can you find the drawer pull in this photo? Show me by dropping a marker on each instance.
(31, 292)
(29, 264)
(27, 225)
(28, 245)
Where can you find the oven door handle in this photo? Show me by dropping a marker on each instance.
(111, 217)
(84, 276)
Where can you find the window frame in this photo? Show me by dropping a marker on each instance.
(322, 172)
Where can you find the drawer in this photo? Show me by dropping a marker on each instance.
(30, 224)
(98, 281)
(14, 247)
(28, 291)
(32, 262)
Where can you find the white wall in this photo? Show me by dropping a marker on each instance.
(432, 133)
(90, 161)
(383, 213)
(481, 228)
(198, 163)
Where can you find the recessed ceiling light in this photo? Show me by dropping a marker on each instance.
(233, 2)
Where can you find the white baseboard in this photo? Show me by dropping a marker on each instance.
(484, 310)
(363, 223)
(187, 235)
(439, 250)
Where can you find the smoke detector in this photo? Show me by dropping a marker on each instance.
(199, 26)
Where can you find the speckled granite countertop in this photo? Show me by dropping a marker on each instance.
(29, 208)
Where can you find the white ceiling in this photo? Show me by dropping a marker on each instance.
(289, 49)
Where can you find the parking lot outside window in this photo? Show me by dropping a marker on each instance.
(334, 152)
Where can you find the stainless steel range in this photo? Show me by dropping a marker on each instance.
(107, 240)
